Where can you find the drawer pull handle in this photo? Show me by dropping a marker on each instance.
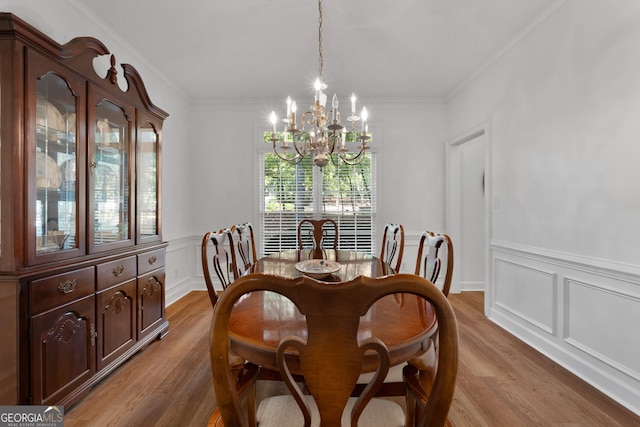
(118, 271)
(152, 260)
(67, 287)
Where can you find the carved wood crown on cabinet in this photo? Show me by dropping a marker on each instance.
(82, 282)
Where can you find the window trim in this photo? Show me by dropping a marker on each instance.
(265, 149)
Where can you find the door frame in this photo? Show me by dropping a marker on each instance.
(453, 203)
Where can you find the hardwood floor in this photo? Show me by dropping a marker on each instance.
(501, 380)
(167, 384)
(504, 382)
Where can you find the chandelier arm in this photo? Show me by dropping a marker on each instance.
(333, 138)
(309, 118)
(353, 126)
(335, 163)
(356, 159)
(352, 162)
(305, 150)
(293, 160)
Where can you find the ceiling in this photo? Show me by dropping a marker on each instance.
(252, 49)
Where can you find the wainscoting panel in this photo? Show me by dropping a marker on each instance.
(178, 272)
(526, 292)
(411, 242)
(581, 312)
(604, 324)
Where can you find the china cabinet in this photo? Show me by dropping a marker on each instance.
(82, 282)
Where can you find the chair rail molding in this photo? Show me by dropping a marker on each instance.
(608, 268)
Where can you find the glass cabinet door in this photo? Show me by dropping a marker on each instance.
(54, 185)
(109, 177)
(148, 205)
(55, 156)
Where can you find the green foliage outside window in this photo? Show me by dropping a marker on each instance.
(292, 192)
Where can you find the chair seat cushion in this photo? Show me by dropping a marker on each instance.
(425, 361)
(280, 411)
(393, 376)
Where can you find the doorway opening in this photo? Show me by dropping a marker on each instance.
(467, 214)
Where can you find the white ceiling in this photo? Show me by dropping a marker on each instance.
(252, 49)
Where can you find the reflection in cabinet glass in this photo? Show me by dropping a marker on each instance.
(55, 165)
(109, 167)
(147, 200)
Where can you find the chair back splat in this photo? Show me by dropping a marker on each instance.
(429, 259)
(428, 265)
(243, 248)
(317, 234)
(215, 253)
(331, 356)
(393, 245)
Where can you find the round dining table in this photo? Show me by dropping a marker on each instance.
(260, 320)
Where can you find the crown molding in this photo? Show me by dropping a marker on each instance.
(139, 56)
(535, 23)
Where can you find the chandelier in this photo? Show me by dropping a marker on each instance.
(321, 133)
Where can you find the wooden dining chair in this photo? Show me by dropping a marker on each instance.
(429, 266)
(393, 245)
(429, 261)
(243, 248)
(331, 357)
(214, 253)
(318, 234)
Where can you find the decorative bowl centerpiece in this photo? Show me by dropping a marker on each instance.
(318, 268)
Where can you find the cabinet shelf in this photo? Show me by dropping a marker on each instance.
(54, 137)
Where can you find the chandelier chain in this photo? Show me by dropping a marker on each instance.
(320, 57)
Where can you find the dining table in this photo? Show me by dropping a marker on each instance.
(260, 320)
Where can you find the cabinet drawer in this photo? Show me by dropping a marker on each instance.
(114, 272)
(60, 289)
(150, 261)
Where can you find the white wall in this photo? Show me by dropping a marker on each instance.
(410, 164)
(562, 109)
(410, 167)
(224, 170)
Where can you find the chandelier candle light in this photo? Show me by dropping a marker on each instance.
(321, 134)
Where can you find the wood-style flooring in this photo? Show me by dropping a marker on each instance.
(501, 380)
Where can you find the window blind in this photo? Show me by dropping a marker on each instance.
(290, 193)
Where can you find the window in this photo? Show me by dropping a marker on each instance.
(290, 193)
